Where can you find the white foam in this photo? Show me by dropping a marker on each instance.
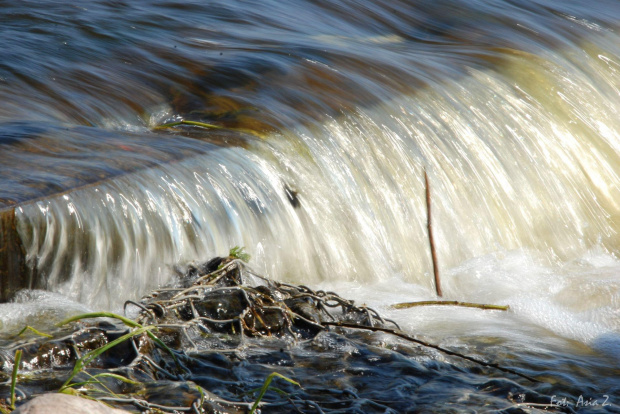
(575, 301)
(37, 308)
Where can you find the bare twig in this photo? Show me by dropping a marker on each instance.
(406, 305)
(430, 236)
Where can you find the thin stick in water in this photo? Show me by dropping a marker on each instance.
(430, 236)
(450, 303)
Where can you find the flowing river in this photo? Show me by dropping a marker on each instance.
(326, 116)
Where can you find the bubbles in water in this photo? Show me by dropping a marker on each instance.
(37, 308)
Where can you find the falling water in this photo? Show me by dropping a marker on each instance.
(515, 163)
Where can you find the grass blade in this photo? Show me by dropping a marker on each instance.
(265, 387)
(184, 122)
(86, 359)
(18, 358)
(36, 332)
(125, 320)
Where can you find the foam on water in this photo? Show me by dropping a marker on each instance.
(549, 304)
(37, 308)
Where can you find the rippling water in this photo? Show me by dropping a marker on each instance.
(328, 114)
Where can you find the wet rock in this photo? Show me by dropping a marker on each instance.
(65, 404)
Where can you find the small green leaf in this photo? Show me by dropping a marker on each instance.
(238, 253)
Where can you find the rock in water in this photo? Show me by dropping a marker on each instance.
(65, 404)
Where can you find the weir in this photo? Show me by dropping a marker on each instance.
(51, 172)
(516, 126)
(512, 165)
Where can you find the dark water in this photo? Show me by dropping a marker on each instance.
(327, 113)
(122, 66)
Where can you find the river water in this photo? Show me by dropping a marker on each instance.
(328, 115)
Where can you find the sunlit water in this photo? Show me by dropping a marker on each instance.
(332, 112)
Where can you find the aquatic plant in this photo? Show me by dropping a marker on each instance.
(33, 330)
(238, 253)
(266, 387)
(207, 126)
(18, 357)
(82, 362)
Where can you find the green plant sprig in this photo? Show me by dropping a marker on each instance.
(266, 387)
(239, 253)
(123, 319)
(95, 380)
(18, 358)
(81, 363)
(33, 330)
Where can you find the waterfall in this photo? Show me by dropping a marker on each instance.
(523, 157)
